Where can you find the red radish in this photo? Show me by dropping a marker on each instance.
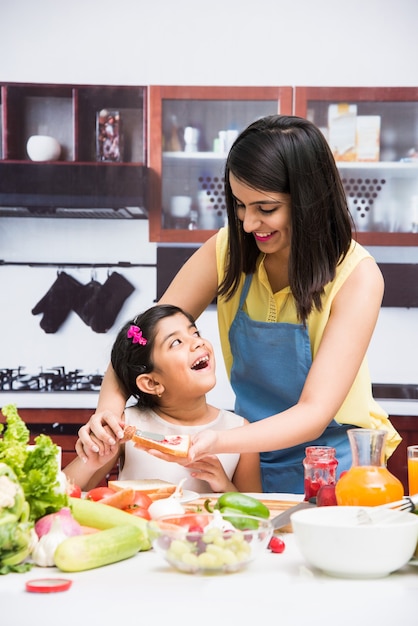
(276, 545)
(69, 525)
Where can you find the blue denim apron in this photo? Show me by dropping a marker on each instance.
(271, 361)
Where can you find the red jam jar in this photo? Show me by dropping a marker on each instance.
(320, 466)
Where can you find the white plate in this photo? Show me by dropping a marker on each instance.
(188, 496)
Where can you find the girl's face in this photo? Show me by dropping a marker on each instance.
(266, 215)
(183, 360)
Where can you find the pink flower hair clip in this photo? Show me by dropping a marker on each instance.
(135, 333)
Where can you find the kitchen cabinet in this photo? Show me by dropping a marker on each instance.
(407, 427)
(374, 134)
(190, 132)
(101, 169)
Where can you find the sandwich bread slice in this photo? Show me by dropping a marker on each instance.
(177, 445)
(153, 487)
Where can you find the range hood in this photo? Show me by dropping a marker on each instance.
(73, 190)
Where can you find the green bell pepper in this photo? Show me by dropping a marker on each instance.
(235, 503)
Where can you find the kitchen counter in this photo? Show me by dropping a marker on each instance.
(276, 588)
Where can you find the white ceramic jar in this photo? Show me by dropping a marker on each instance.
(43, 148)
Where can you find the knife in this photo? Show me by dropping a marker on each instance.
(283, 518)
(148, 435)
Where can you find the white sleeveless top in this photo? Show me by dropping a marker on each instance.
(139, 464)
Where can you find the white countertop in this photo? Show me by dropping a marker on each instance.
(275, 589)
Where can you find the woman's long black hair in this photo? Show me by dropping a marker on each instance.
(289, 154)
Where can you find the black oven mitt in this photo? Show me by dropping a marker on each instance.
(57, 302)
(85, 302)
(108, 302)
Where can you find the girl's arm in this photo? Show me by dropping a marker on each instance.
(343, 347)
(247, 475)
(88, 474)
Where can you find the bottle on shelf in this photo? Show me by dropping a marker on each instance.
(174, 143)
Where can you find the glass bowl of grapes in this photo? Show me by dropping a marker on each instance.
(210, 543)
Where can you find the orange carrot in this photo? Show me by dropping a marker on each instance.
(120, 499)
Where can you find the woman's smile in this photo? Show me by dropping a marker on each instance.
(264, 236)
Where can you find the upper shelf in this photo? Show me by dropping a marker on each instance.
(102, 164)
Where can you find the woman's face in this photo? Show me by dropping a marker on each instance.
(266, 215)
(183, 361)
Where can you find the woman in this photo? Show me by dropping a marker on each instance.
(298, 302)
(166, 365)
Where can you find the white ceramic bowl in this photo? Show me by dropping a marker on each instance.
(188, 546)
(331, 539)
(43, 148)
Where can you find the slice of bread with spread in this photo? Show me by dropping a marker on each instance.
(177, 445)
(153, 487)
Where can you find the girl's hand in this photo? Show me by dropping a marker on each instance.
(94, 460)
(210, 469)
(101, 433)
(96, 452)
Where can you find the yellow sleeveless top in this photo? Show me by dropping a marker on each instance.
(359, 408)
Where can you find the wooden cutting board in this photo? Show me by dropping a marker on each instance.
(274, 506)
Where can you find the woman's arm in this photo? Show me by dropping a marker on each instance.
(196, 283)
(343, 347)
(105, 423)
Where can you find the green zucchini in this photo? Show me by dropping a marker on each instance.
(103, 516)
(83, 552)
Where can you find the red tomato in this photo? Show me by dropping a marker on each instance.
(99, 492)
(142, 500)
(192, 521)
(138, 511)
(73, 490)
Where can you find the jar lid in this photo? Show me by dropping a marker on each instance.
(48, 585)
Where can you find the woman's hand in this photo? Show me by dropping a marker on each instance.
(100, 434)
(203, 443)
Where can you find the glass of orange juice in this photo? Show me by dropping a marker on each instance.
(412, 452)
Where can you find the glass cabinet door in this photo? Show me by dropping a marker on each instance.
(373, 133)
(191, 131)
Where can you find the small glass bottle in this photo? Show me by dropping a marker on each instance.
(320, 466)
(368, 482)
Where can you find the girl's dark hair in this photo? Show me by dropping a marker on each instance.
(288, 154)
(130, 359)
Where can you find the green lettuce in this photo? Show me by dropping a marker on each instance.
(36, 467)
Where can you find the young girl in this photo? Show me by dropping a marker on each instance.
(162, 361)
